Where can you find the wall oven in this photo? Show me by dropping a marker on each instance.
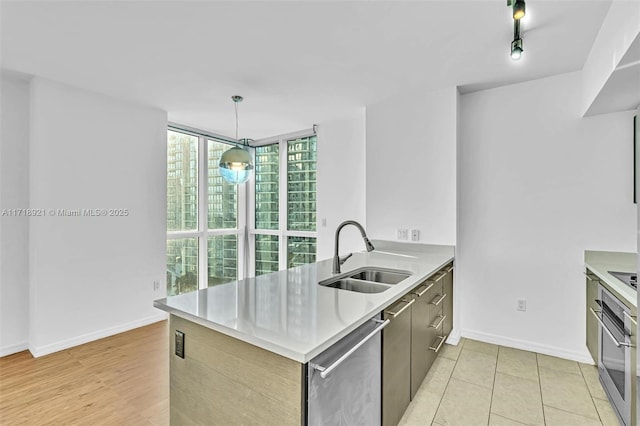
(616, 364)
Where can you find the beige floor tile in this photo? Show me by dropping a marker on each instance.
(556, 417)
(605, 410)
(567, 392)
(421, 410)
(475, 367)
(516, 362)
(464, 404)
(518, 399)
(558, 364)
(590, 373)
(477, 346)
(438, 376)
(496, 420)
(450, 351)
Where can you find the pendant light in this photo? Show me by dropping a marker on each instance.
(236, 163)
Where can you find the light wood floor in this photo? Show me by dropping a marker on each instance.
(119, 380)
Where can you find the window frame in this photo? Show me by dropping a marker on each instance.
(282, 232)
(202, 233)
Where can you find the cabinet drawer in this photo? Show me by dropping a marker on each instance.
(437, 342)
(436, 304)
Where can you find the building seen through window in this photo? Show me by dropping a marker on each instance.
(283, 234)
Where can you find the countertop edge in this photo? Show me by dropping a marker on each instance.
(601, 267)
(287, 352)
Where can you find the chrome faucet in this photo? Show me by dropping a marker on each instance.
(339, 260)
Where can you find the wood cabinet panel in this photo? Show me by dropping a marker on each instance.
(223, 380)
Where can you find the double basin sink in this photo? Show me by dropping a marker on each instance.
(367, 280)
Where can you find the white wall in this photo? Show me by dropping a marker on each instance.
(341, 182)
(411, 166)
(14, 194)
(538, 186)
(93, 276)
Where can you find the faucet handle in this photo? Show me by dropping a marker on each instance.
(344, 258)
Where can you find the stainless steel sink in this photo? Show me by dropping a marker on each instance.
(367, 280)
(380, 276)
(357, 286)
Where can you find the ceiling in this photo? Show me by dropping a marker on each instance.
(296, 63)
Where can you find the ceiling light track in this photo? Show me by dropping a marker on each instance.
(518, 12)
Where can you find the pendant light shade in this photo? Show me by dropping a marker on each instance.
(236, 163)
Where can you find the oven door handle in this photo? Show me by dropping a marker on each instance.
(609, 333)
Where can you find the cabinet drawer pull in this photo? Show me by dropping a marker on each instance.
(442, 275)
(437, 302)
(408, 303)
(450, 269)
(442, 318)
(437, 348)
(426, 289)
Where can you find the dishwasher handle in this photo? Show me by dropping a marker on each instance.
(325, 371)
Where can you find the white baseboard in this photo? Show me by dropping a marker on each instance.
(579, 356)
(15, 348)
(38, 351)
(454, 337)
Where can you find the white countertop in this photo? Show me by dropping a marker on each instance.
(288, 313)
(601, 262)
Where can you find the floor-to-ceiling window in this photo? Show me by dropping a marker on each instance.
(203, 224)
(284, 199)
(206, 216)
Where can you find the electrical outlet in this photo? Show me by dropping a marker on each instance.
(156, 285)
(522, 305)
(179, 344)
(323, 222)
(403, 234)
(415, 235)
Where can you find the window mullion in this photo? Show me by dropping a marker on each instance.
(283, 203)
(203, 205)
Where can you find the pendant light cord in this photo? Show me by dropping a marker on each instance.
(236, 105)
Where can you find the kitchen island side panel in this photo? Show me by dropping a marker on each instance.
(223, 381)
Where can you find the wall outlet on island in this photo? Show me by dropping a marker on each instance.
(415, 235)
(156, 285)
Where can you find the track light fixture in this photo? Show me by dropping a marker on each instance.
(516, 49)
(518, 7)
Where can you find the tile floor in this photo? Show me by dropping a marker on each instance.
(476, 383)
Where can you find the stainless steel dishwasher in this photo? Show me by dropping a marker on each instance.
(344, 382)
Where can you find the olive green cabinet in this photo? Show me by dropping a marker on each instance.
(420, 323)
(447, 309)
(396, 361)
(592, 323)
(423, 334)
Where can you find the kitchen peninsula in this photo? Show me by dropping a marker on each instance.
(246, 345)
